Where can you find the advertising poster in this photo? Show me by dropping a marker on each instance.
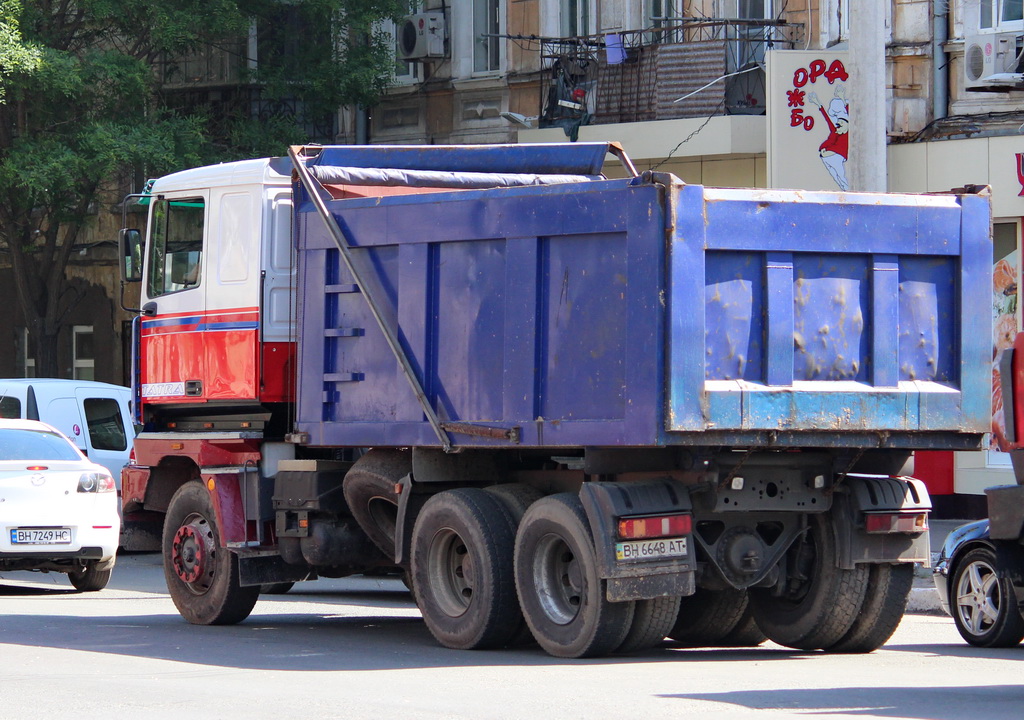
(808, 120)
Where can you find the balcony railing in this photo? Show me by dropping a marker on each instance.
(693, 68)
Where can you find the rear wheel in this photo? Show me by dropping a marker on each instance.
(462, 569)
(819, 601)
(652, 620)
(202, 576)
(745, 634)
(562, 596)
(89, 579)
(983, 602)
(708, 616)
(884, 604)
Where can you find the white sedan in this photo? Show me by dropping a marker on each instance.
(58, 510)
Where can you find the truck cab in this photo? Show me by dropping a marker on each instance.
(216, 316)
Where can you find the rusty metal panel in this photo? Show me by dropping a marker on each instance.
(685, 68)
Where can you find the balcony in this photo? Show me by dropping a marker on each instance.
(689, 69)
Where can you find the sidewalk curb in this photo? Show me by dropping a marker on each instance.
(924, 601)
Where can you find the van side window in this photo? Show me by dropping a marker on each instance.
(10, 408)
(176, 246)
(106, 429)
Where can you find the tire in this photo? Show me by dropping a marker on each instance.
(90, 579)
(745, 634)
(369, 488)
(652, 620)
(983, 602)
(202, 576)
(884, 604)
(561, 594)
(517, 497)
(280, 588)
(708, 616)
(462, 554)
(820, 601)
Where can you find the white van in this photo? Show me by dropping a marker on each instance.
(95, 416)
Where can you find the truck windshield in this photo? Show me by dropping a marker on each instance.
(176, 245)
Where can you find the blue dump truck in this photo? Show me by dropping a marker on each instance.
(587, 412)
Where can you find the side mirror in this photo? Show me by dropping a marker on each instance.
(130, 242)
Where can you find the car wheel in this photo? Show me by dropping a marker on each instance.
(983, 603)
(89, 579)
(202, 576)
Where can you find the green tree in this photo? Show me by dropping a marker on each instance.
(83, 104)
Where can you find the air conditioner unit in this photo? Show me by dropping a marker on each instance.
(991, 62)
(421, 36)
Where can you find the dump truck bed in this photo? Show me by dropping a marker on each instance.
(643, 312)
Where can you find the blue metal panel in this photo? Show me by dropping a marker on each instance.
(557, 333)
(780, 320)
(519, 374)
(929, 323)
(469, 343)
(561, 159)
(778, 221)
(976, 312)
(863, 322)
(735, 315)
(831, 317)
(886, 320)
(639, 314)
(687, 318)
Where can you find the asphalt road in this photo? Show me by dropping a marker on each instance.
(356, 648)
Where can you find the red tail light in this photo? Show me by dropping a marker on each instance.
(895, 522)
(655, 527)
(37, 468)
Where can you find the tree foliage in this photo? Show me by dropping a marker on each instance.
(81, 105)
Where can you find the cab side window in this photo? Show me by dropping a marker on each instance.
(106, 429)
(176, 247)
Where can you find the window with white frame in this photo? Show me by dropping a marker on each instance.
(487, 47)
(84, 359)
(1000, 15)
(26, 358)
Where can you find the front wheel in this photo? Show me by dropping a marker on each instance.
(202, 576)
(983, 603)
(562, 596)
(89, 579)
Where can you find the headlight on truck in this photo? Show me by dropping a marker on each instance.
(95, 482)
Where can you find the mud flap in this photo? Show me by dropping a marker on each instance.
(867, 494)
(604, 504)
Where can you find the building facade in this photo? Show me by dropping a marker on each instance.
(744, 93)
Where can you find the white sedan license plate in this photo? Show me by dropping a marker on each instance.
(651, 549)
(41, 536)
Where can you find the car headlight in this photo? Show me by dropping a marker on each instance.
(96, 482)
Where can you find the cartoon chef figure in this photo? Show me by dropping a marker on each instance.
(836, 148)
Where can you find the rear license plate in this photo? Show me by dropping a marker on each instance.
(651, 549)
(41, 536)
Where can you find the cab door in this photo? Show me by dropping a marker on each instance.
(172, 347)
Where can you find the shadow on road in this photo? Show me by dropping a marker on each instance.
(913, 703)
